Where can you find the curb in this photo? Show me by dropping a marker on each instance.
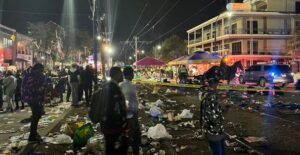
(30, 147)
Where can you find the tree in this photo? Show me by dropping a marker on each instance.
(48, 41)
(171, 48)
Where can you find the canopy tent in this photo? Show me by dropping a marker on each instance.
(178, 60)
(204, 57)
(149, 62)
(197, 58)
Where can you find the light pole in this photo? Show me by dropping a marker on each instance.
(158, 47)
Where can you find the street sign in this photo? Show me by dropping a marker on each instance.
(238, 7)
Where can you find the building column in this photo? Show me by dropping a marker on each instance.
(188, 43)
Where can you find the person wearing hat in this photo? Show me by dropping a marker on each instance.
(33, 92)
(211, 117)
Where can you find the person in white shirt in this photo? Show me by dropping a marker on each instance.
(129, 91)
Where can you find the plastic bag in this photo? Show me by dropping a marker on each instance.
(155, 111)
(83, 134)
(186, 114)
(62, 139)
(158, 132)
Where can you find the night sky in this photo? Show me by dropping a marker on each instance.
(16, 14)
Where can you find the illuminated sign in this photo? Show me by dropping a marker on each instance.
(238, 7)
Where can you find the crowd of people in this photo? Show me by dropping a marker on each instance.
(118, 114)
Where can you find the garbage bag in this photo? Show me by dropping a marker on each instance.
(155, 111)
(159, 102)
(158, 132)
(186, 114)
(82, 135)
(62, 139)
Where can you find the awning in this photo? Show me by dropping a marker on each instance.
(177, 61)
(148, 62)
(204, 57)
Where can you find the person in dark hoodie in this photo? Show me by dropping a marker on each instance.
(74, 79)
(113, 123)
(87, 83)
(33, 92)
(18, 92)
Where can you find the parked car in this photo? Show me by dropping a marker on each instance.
(267, 73)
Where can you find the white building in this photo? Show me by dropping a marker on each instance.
(261, 34)
(24, 51)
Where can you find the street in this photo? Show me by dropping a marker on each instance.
(273, 130)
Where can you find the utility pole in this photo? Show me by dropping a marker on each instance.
(136, 51)
(135, 47)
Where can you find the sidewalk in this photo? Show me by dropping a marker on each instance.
(14, 133)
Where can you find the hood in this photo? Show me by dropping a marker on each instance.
(73, 70)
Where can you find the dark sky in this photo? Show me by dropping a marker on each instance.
(16, 14)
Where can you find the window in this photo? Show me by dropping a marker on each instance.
(236, 48)
(234, 29)
(254, 27)
(227, 30)
(226, 46)
(297, 7)
(255, 47)
(256, 68)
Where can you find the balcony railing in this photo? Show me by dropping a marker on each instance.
(208, 36)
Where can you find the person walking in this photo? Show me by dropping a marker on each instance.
(10, 85)
(212, 117)
(129, 91)
(74, 79)
(113, 123)
(18, 92)
(33, 92)
(87, 83)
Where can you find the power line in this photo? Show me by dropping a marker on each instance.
(184, 21)
(149, 22)
(38, 13)
(159, 20)
(144, 8)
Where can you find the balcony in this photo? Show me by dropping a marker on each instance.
(259, 31)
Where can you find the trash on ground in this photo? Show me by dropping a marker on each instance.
(186, 114)
(157, 132)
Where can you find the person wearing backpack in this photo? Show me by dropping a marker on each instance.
(129, 91)
(33, 92)
(113, 121)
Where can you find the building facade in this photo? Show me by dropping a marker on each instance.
(249, 36)
(24, 51)
(7, 46)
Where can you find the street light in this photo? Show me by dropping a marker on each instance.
(158, 47)
(98, 37)
(130, 58)
(143, 52)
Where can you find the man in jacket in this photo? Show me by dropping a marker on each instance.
(33, 92)
(113, 123)
(129, 91)
(87, 83)
(212, 117)
(10, 85)
(74, 80)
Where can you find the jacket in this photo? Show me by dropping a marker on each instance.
(211, 116)
(10, 85)
(33, 87)
(114, 117)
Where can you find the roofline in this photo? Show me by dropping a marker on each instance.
(5, 27)
(242, 13)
